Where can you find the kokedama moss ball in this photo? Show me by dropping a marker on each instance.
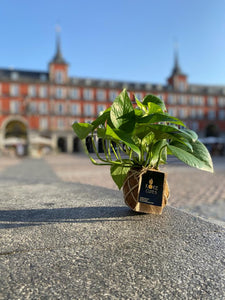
(131, 189)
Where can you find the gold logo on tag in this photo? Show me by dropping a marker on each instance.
(150, 185)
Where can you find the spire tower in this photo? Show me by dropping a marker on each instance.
(58, 58)
(177, 79)
(176, 68)
(58, 67)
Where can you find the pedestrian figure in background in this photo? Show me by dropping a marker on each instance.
(20, 150)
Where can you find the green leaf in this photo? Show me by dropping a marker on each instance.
(119, 174)
(138, 113)
(170, 132)
(185, 146)
(156, 151)
(82, 130)
(159, 117)
(102, 118)
(199, 158)
(153, 99)
(147, 141)
(119, 135)
(154, 108)
(122, 113)
(101, 132)
(190, 134)
(141, 106)
(163, 132)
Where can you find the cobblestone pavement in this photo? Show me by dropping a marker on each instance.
(199, 192)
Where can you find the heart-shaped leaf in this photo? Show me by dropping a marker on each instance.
(122, 113)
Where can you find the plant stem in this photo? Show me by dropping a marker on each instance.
(121, 148)
(96, 151)
(114, 151)
(104, 149)
(118, 151)
(160, 152)
(108, 148)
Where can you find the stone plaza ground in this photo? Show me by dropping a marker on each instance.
(65, 233)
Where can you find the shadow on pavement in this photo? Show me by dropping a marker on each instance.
(32, 217)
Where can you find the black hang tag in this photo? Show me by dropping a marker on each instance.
(151, 190)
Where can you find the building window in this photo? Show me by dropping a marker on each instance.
(59, 93)
(221, 102)
(181, 86)
(192, 100)
(211, 114)
(88, 110)
(75, 93)
(59, 77)
(14, 90)
(182, 100)
(200, 113)
(211, 101)
(160, 96)
(88, 94)
(197, 100)
(43, 108)
(171, 99)
(43, 123)
(43, 92)
(32, 107)
(112, 95)
(101, 95)
(139, 96)
(14, 75)
(32, 91)
(60, 124)
(172, 111)
(14, 107)
(75, 109)
(200, 101)
(193, 113)
(43, 77)
(194, 126)
(100, 108)
(182, 113)
(60, 109)
(222, 114)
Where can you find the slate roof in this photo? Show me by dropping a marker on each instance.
(23, 75)
(16, 75)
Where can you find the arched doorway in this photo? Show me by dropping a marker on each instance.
(89, 144)
(62, 144)
(15, 137)
(212, 130)
(16, 129)
(76, 146)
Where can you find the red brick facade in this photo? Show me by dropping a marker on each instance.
(47, 103)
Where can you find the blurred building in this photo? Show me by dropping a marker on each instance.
(37, 109)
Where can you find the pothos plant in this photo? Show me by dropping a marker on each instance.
(140, 135)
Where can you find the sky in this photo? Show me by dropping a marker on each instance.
(128, 40)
